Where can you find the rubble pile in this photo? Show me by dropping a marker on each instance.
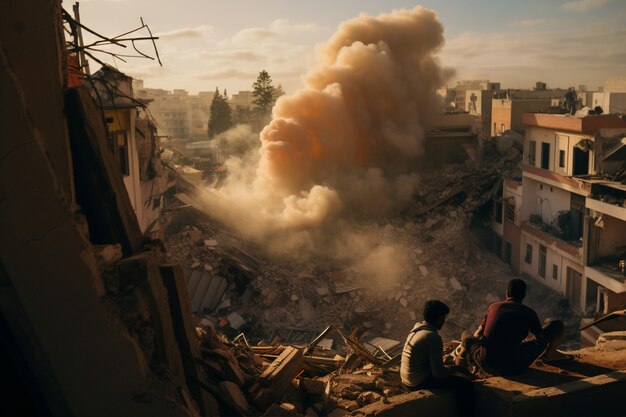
(439, 257)
(295, 380)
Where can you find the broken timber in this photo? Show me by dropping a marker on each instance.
(278, 376)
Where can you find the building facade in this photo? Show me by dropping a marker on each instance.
(567, 235)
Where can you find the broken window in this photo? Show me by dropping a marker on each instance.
(576, 217)
(545, 155)
(542, 261)
(581, 162)
(532, 151)
(529, 254)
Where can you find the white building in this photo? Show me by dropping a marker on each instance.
(134, 142)
(561, 154)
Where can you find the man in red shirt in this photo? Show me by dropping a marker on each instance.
(502, 348)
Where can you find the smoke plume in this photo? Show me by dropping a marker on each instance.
(345, 146)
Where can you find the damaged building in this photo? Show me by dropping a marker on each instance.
(100, 318)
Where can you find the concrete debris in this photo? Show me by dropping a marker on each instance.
(455, 284)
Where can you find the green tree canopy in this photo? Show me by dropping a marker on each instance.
(221, 118)
(263, 92)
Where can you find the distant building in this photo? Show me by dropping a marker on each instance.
(178, 114)
(478, 103)
(610, 101)
(506, 113)
(456, 97)
(242, 99)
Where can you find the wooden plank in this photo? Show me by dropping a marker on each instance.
(184, 332)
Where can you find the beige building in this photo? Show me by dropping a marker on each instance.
(243, 99)
(177, 113)
(456, 97)
(506, 114)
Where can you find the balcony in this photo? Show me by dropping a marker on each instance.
(553, 236)
(608, 197)
(609, 274)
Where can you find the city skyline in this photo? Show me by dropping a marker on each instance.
(208, 44)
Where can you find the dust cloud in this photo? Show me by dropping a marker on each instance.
(343, 150)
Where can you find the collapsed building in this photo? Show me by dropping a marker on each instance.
(96, 319)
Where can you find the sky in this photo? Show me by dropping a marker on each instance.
(204, 44)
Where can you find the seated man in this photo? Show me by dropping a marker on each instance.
(501, 348)
(422, 359)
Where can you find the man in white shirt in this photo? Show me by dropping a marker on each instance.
(422, 360)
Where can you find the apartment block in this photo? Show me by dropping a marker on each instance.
(568, 234)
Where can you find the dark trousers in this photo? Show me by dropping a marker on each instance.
(462, 387)
(514, 361)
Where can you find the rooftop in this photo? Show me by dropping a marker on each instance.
(586, 124)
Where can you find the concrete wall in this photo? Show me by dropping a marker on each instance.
(511, 229)
(506, 114)
(77, 354)
(558, 140)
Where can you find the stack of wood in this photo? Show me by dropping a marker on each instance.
(278, 380)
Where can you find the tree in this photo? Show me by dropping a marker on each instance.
(221, 118)
(263, 92)
(278, 91)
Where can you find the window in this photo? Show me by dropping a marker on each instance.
(497, 245)
(542, 261)
(561, 158)
(509, 211)
(555, 272)
(529, 254)
(508, 253)
(502, 128)
(498, 213)
(532, 152)
(495, 129)
(118, 143)
(545, 155)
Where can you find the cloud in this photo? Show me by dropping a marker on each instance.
(582, 6)
(279, 27)
(183, 33)
(582, 54)
(227, 74)
(532, 23)
(244, 55)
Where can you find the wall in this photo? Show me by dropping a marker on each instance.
(508, 112)
(51, 292)
(558, 139)
(512, 230)
(614, 103)
(552, 258)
